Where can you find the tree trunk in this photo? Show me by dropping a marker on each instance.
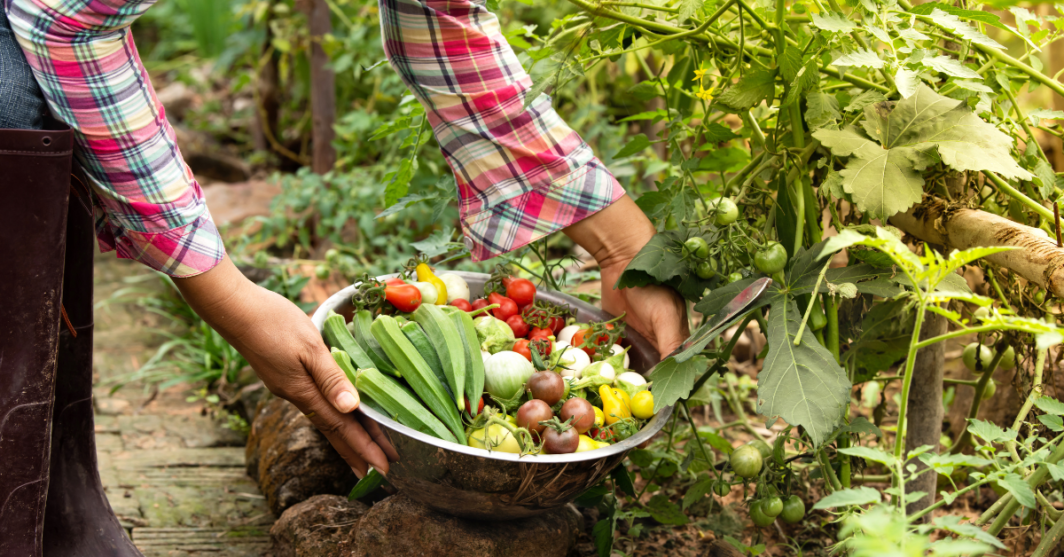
(924, 420)
(322, 87)
(1038, 260)
(267, 115)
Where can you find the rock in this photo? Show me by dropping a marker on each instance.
(235, 203)
(322, 526)
(400, 527)
(208, 159)
(112, 406)
(723, 549)
(177, 99)
(290, 459)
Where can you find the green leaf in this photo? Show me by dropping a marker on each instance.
(665, 511)
(907, 81)
(367, 485)
(962, 30)
(886, 179)
(875, 455)
(821, 109)
(884, 340)
(717, 442)
(950, 66)
(728, 159)
(1054, 423)
(913, 35)
(603, 534)
(1055, 470)
(864, 99)
(861, 58)
(834, 22)
(438, 243)
(696, 492)
(1046, 178)
(674, 380)
(717, 133)
(398, 183)
(659, 260)
(1049, 405)
(953, 524)
(645, 91)
(753, 88)
(623, 480)
(689, 8)
(946, 463)
(650, 115)
(636, 145)
(953, 547)
(1036, 116)
(976, 86)
(801, 384)
(847, 497)
(990, 432)
(1019, 489)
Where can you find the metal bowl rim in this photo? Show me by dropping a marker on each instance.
(649, 430)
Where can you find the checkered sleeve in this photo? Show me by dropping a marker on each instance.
(522, 173)
(149, 207)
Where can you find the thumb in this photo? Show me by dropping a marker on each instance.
(331, 380)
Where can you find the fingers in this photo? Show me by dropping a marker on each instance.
(343, 431)
(332, 381)
(377, 434)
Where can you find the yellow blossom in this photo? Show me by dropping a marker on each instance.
(704, 94)
(700, 74)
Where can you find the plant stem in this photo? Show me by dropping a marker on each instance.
(1023, 121)
(694, 432)
(1036, 393)
(1020, 196)
(829, 472)
(833, 327)
(1034, 481)
(812, 303)
(910, 363)
(1050, 540)
(942, 502)
(973, 410)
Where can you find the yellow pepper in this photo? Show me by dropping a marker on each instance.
(615, 404)
(600, 418)
(643, 405)
(425, 274)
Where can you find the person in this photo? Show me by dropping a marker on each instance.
(86, 152)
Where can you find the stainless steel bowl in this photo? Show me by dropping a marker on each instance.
(474, 483)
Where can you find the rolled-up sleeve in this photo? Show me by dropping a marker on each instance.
(522, 173)
(149, 206)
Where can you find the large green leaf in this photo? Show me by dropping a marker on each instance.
(801, 384)
(658, 261)
(674, 380)
(834, 22)
(753, 88)
(883, 175)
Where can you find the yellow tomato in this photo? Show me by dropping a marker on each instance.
(615, 404)
(600, 418)
(500, 439)
(425, 274)
(589, 444)
(643, 405)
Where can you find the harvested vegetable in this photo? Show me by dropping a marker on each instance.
(495, 335)
(457, 287)
(505, 374)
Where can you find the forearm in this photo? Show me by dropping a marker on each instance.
(220, 296)
(614, 235)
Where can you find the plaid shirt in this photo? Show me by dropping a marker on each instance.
(522, 173)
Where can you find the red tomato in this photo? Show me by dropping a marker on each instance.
(541, 345)
(518, 326)
(521, 347)
(405, 297)
(469, 406)
(481, 304)
(521, 291)
(538, 333)
(463, 305)
(578, 340)
(600, 434)
(507, 308)
(556, 324)
(394, 281)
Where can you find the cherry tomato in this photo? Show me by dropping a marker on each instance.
(564, 442)
(758, 516)
(538, 333)
(518, 326)
(469, 406)
(969, 357)
(579, 339)
(394, 281)
(601, 434)
(521, 347)
(735, 277)
(793, 510)
(583, 412)
(721, 488)
(405, 297)
(726, 211)
(990, 390)
(463, 305)
(533, 412)
(521, 291)
(507, 307)
(643, 405)
(1008, 359)
(481, 304)
(771, 259)
(697, 247)
(772, 506)
(746, 461)
(706, 269)
(541, 345)
(556, 324)
(546, 386)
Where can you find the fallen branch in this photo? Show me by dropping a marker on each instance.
(1039, 260)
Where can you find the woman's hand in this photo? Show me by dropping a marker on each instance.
(614, 236)
(288, 354)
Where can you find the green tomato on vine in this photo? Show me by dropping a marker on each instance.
(985, 355)
(989, 390)
(706, 269)
(758, 515)
(746, 461)
(793, 510)
(697, 247)
(771, 259)
(1008, 359)
(726, 211)
(772, 506)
